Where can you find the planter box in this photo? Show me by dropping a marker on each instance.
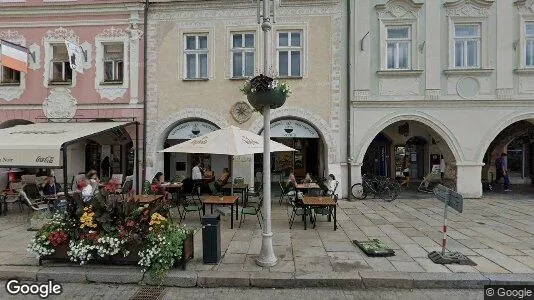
(131, 259)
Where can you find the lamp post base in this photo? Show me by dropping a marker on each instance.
(267, 257)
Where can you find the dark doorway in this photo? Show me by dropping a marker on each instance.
(93, 153)
(377, 159)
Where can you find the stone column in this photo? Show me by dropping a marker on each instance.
(468, 179)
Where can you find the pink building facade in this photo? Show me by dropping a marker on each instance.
(111, 85)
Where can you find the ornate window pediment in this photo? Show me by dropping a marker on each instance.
(525, 7)
(468, 8)
(399, 9)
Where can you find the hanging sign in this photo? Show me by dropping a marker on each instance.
(190, 130)
(292, 129)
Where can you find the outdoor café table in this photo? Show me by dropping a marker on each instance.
(224, 200)
(173, 188)
(239, 187)
(324, 201)
(308, 186)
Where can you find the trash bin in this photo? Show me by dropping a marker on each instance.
(211, 238)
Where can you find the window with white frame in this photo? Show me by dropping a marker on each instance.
(398, 43)
(113, 62)
(529, 44)
(466, 46)
(9, 76)
(60, 71)
(196, 56)
(289, 53)
(242, 54)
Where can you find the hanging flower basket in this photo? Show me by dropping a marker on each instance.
(264, 91)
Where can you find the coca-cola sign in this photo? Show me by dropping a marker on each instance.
(201, 141)
(45, 159)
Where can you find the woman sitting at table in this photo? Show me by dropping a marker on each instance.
(332, 185)
(216, 186)
(307, 179)
(209, 176)
(157, 182)
(92, 177)
(50, 187)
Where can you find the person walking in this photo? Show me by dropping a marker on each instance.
(406, 171)
(501, 166)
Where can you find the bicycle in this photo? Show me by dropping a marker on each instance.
(385, 188)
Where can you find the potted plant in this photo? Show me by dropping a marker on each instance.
(264, 91)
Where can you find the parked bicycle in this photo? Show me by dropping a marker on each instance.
(385, 188)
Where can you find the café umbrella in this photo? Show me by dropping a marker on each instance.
(227, 141)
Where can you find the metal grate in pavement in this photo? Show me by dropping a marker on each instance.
(149, 293)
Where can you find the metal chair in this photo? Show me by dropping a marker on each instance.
(35, 204)
(252, 210)
(126, 187)
(296, 210)
(285, 193)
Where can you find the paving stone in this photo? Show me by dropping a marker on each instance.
(255, 246)
(372, 231)
(229, 267)
(350, 255)
(223, 279)
(283, 266)
(283, 252)
(329, 279)
(339, 246)
(462, 268)
(429, 266)
(312, 264)
(487, 266)
(177, 278)
(272, 280)
(400, 255)
(414, 250)
(506, 262)
(526, 260)
(449, 280)
(250, 264)
(18, 272)
(380, 264)
(239, 247)
(120, 275)
(233, 258)
(349, 265)
(373, 279)
(308, 251)
(498, 246)
(63, 274)
(472, 244)
(407, 266)
(510, 279)
(307, 242)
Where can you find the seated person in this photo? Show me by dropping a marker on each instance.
(216, 186)
(307, 179)
(86, 189)
(156, 186)
(332, 185)
(50, 186)
(209, 176)
(92, 177)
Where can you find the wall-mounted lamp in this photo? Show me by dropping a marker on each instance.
(32, 54)
(514, 44)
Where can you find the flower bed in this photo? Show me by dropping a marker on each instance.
(115, 230)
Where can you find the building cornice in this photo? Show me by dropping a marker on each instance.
(443, 104)
(82, 9)
(78, 106)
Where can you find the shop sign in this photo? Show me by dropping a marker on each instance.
(292, 129)
(190, 130)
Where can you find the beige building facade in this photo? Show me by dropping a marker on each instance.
(199, 56)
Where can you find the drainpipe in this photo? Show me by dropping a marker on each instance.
(145, 48)
(349, 89)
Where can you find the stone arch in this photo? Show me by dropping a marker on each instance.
(500, 125)
(420, 117)
(321, 125)
(157, 134)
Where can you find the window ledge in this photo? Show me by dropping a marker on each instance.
(524, 71)
(399, 72)
(289, 77)
(240, 78)
(484, 72)
(9, 83)
(195, 79)
(60, 83)
(111, 83)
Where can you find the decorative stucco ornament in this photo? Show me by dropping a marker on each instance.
(60, 106)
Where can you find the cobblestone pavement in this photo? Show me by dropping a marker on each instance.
(496, 232)
(119, 292)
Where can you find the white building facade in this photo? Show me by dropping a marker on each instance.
(442, 84)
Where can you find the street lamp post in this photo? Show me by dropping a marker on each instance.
(267, 257)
